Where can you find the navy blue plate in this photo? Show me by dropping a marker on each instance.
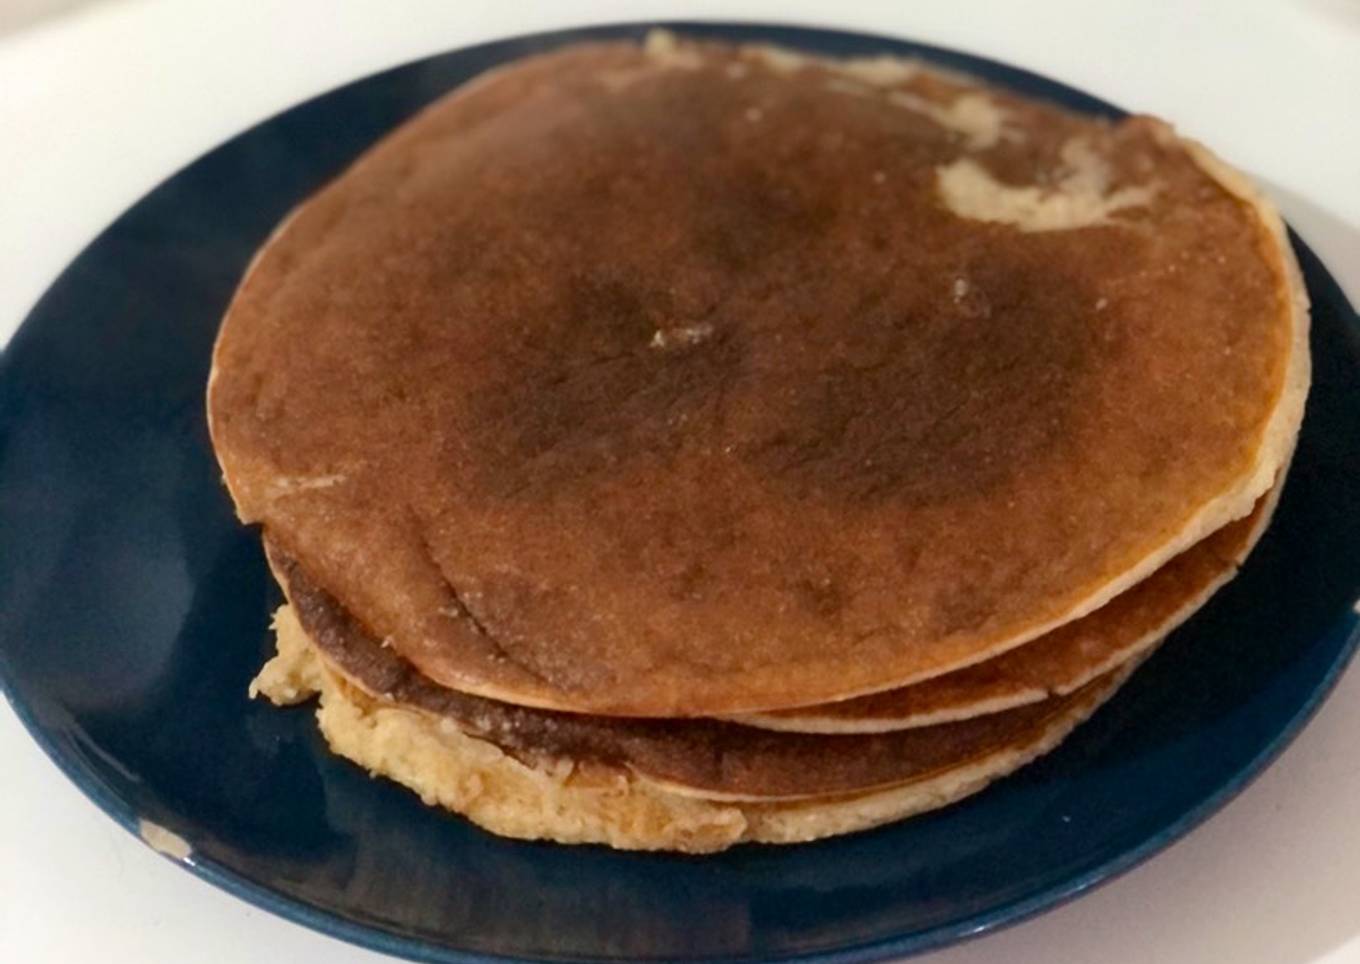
(134, 610)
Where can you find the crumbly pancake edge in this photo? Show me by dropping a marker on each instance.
(555, 801)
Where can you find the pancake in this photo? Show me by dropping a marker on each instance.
(705, 381)
(545, 797)
(1057, 663)
(706, 758)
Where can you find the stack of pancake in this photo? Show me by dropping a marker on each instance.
(674, 445)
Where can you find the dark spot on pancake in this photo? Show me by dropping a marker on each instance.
(689, 585)
(961, 610)
(823, 596)
(609, 375)
(927, 400)
(882, 391)
(749, 216)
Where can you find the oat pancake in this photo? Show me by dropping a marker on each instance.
(706, 381)
(1057, 663)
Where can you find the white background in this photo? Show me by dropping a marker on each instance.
(100, 102)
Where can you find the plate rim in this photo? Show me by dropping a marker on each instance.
(374, 936)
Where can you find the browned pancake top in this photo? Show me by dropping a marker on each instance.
(707, 756)
(674, 387)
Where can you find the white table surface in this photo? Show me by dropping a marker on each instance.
(99, 104)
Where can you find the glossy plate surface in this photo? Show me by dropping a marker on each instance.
(134, 611)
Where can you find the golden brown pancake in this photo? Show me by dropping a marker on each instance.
(1057, 663)
(711, 759)
(574, 802)
(708, 381)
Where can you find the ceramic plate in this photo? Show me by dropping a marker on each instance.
(134, 611)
